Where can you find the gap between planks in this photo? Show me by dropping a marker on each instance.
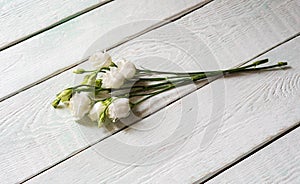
(248, 154)
(60, 22)
(164, 22)
(222, 169)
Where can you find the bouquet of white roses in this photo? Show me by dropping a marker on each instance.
(112, 89)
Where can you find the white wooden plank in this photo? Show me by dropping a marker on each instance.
(276, 163)
(19, 18)
(36, 137)
(259, 27)
(64, 45)
(236, 30)
(257, 107)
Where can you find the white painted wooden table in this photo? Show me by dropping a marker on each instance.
(241, 129)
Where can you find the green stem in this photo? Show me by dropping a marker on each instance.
(212, 74)
(152, 95)
(173, 81)
(235, 70)
(160, 78)
(256, 63)
(193, 77)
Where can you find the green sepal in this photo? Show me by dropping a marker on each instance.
(113, 64)
(79, 71)
(98, 82)
(101, 119)
(92, 79)
(65, 95)
(85, 79)
(55, 102)
(107, 102)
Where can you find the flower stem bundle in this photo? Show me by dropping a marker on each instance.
(112, 89)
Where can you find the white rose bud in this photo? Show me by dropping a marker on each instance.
(127, 69)
(79, 105)
(100, 59)
(96, 110)
(119, 108)
(112, 79)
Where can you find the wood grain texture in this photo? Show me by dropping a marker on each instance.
(277, 163)
(236, 30)
(20, 18)
(35, 137)
(257, 107)
(224, 33)
(69, 43)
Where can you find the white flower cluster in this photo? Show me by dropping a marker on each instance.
(101, 96)
(114, 76)
(114, 108)
(100, 59)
